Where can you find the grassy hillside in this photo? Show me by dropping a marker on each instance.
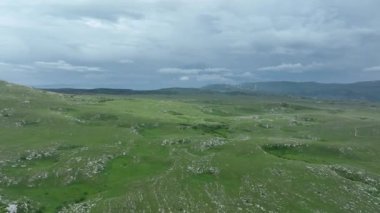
(199, 152)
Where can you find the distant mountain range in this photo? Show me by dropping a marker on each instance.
(369, 90)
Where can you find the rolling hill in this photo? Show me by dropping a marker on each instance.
(198, 151)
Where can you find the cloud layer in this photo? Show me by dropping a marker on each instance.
(161, 43)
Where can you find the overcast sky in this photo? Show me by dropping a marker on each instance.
(145, 44)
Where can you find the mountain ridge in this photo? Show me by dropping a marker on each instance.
(364, 90)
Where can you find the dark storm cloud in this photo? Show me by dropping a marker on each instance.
(162, 43)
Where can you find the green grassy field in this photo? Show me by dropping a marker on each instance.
(186, 153)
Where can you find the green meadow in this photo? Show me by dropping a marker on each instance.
(194, 152)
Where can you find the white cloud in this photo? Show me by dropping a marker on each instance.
(214, 78)
(63, 65)
(172, 70)
(216, 70)
(197, 71)
(184, 78)
(211, 74)
(372, 69)
(282, 67)
(288, 67)
(93, 23)
(10, 67)
(126, 61)
(38, 65)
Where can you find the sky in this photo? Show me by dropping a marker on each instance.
(150, 44)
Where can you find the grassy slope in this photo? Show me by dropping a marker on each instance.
(195, 153)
